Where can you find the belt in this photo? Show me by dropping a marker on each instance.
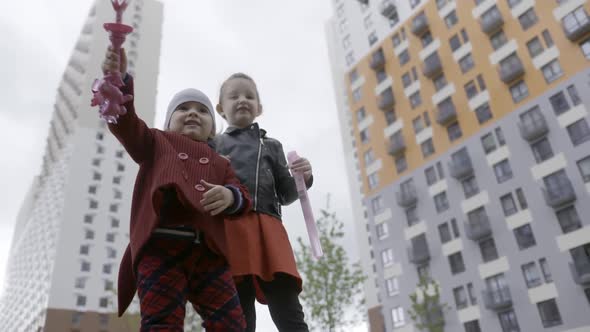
(194, 235)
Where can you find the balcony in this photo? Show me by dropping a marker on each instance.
(406, 198)
(377, 60)
(497, 299)
(533, 129)
(419, 24)
(581, 272)
(479, 228)
(446, 114)
(511, 70)
(460, 166)
(418, 252)
(491, 21)
(432, 65)
(557, 196)
(397, 145)
(388, 9)
(576, 24)
(386, 100)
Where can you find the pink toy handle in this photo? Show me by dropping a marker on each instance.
(312, 229)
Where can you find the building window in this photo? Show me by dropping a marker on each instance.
(414, 3)
(108, 285)
(81, 300)
(545, 270)
(445, 233)
(96, 162)
(488, 143)
(456, 263)
(96, 176)
(521, 199)
(392, 286)
(483, 113)
(423, 271)
(547, 38)
(513, 3)
(110, 237)
(401, 163)
(114, 208)
(498, 40)
(85, 266)
(115, 223)
(417, 124)
(84, 249)
(89, 234)
(460, 297)
(415, 99)
(111, 253)
(427, 148)
(107, 268)
(552, 71)
(440, 82)
(575, 20)
(503, 171)
(542, 150)
(454, 131)
(451, 19)
(524, 237)
(549, 313)
(431, 178)
(574, 96)
(80, 283)
(381, 75)
(103, 302)
(508, 205)
(404, 57)
(455, 228)
(470, 187)
(441, 202)
(426, 39)
(406, 79)
(559, 103)
(88, 218)
(387, 257)
(373, 38)
(466, 63)
(472, 326)
(519, 91)
(531, 275)
(455, 42)
(397, 316)
(471, 89)
(528, 19)
(585, 47)
(508, 321)
(584, 167)
(568, 219)
(357, 95)
(412, 215)
(377, 204)
(535, 47)
(361, 114)
(471, 293)
(390, 117)
(382, 231)
(488, 250)
(579, 132)
(117, 179)
(364, 135)
(369, 157)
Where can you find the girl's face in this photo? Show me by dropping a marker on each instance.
(239, 102)
(193, 120)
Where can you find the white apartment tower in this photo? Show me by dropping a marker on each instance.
(72, 228)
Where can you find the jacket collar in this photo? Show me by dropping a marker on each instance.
(235, 130)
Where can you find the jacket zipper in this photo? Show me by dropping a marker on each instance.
(257, 171)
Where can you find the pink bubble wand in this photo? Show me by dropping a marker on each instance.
(106, 93)
(312, 229)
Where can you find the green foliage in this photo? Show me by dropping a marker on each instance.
(332, 286)
(427, 312)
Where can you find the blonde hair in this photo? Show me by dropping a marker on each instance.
(236, 76)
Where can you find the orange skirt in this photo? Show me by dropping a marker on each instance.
(257, 244)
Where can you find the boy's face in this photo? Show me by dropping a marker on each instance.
(193, 120)
(239, 102)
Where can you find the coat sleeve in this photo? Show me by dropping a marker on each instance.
(284, 182)
(242, 201)
(131, 131)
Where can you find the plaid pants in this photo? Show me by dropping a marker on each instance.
(172, 271)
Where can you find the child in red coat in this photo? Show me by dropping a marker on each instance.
(182, 194)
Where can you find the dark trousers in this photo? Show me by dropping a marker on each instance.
(172, 271)
(283, 303)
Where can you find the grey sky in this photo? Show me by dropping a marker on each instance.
(280, 43)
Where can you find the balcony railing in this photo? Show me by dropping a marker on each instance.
(491, 22)
(511, 71)
(461, 167)
(388, 9)
(577, 25)
(534, 129)
(406, 197)
(419, 24)
(446, 115)
(397, 145)
(432, 65)
(562, 194)
(386, 100)
(418, 254)
(478, 228)
(581, 272)
(377, 60)
(497, 299)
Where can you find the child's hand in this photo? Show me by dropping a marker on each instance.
(217, 198)
(113, 61)
(302, 165)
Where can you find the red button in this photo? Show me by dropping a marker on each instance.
(183, 156)
(204, 160)
(199, 187)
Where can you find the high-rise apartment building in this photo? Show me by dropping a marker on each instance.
(73, 226)
(466, 131)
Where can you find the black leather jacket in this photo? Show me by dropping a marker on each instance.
(260, 164)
